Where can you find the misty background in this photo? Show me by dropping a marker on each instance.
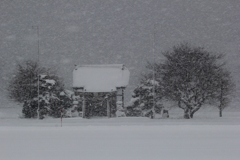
(113, 32)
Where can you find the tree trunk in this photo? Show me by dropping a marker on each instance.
(186, 113)
(220, 109)
(186, 110)
(194, 110)
(191, 115)
(220, 113)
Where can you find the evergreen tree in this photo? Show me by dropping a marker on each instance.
(38, 88)
(143, 99)
(24, 84)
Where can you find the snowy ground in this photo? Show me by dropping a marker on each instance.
(206, 137)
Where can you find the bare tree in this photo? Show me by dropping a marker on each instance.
(193, 76)
(225, 90)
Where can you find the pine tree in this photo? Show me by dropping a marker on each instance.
(142, 100)
(24, 86)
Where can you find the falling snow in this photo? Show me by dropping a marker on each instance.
(115, 32)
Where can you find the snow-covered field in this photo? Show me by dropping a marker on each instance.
(206, 137)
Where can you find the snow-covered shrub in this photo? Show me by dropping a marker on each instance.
(133, 109)
(24, 84)
(38, 88)
(141, 103)
(72, 112)
(120, 111)
(50, 104)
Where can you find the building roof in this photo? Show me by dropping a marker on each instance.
(100, 78)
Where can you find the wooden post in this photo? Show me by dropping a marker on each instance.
(117, 94)
(61, 115)
(122, 97)
(83, 106)
(108, 108)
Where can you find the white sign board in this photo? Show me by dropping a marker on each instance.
(100, 78)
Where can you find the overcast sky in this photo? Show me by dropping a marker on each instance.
(114, 31)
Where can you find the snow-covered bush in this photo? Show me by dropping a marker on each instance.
(133, 108)
(38, 88)
(24, 83)
(141, 103)
(120, 111)
(75, 103)
(50, 101)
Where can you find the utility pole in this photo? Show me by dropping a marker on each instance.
(38, 72)
(38, 60)
(154, 43)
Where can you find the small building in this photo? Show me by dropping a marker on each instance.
(103, 83)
